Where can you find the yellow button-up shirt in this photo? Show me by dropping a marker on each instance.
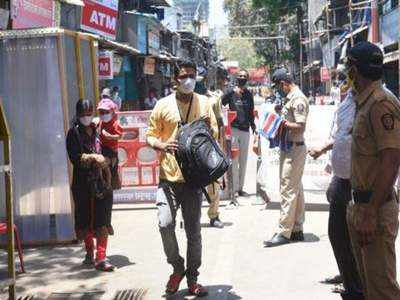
(163, 126)
(376, 127)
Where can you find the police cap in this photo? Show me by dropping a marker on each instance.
(368, 58)
(279, 75)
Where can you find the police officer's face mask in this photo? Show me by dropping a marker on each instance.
(281, 90)
(351, 77)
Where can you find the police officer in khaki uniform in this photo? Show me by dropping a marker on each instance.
(373, 216)
(292, 162)
(216, 102)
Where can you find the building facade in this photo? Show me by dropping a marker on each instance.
(193, 10)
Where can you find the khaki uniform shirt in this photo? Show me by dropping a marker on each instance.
(376, 127)
(216, 103)
(296, 110)
(163, 126)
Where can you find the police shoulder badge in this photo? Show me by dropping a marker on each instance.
(300, 108)
(388, 121)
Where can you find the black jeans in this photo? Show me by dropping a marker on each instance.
(339, 195)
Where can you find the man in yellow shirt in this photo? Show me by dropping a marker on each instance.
(184, 106)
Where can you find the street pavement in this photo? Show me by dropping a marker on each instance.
(235, 264)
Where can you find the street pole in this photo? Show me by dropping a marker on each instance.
(300, 29)
(329, 42)
(375, 21)
(351, 22)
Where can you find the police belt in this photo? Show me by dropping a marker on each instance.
(291, 144)
(361, 196)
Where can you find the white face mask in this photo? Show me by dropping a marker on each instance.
(106, 118)
(186, 86)
(86, 121)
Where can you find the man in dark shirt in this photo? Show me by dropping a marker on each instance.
(240, 100)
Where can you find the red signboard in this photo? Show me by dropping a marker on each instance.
(33, 13)
(106, 65)
(100, 17)
(325, 76)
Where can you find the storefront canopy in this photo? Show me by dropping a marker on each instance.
(158, 3)
(74, 2)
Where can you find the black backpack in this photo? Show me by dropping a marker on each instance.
(199, 156)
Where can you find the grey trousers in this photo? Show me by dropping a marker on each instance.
(241, 141)
(169, 197)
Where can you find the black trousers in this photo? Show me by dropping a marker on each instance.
(339, 195)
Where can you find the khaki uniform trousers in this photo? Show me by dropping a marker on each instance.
(376, 262)
(213, 191)
(291, 190)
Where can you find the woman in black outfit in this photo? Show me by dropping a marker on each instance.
(92, 194)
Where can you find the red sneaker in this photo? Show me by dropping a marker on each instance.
(174, 282)
(104, 266)
(197, 290)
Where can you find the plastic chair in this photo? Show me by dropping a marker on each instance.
(3, 230)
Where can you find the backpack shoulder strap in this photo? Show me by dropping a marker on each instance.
(203, 189)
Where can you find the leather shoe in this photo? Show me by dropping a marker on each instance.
(277, 240)
(216, 222)
(242, 193)
(297, 236)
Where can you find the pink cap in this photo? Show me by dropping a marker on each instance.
(107, 104)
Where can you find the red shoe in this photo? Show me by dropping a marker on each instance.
(197, 290)
(174, 282)
(104, 266)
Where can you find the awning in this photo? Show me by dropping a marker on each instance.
(391, 57)
(158, 3)
(73, 2)
(112, 45)
(30, 33)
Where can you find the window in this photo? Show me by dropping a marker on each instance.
(389, 5)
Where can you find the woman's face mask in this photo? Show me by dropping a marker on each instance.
(86, 120)
(106, 117)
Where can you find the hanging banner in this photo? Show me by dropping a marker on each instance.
(315, 177)
(149, 66)
(106, 65)
(33, 13)
(325, 76)
(100, 17)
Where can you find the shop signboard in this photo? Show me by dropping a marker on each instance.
(138, 163)
(325, 76)
(149, 66)
(100, 17)
(117, 64)
(33, 13)
(106, 65)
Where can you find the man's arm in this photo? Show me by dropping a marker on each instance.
(227, 96)
(389, 163)
(317, 152)
(251, 112)
(300, 112)
(153, 134)
(386, 131)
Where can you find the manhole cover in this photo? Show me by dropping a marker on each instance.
(136, 294)
(92, 295)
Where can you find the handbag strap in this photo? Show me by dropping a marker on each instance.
(188, 112)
